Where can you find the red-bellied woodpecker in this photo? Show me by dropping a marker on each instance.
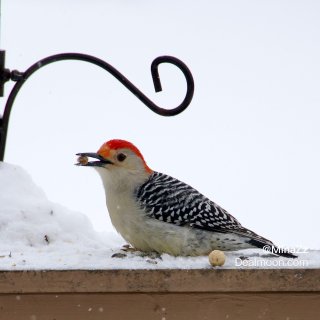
(155, 212)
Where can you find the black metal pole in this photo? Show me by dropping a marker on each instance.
(21, 78)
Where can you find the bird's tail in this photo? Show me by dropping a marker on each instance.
(269, 246)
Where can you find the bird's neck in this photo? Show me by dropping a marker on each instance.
(117, 181)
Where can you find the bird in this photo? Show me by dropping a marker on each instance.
(155, 212)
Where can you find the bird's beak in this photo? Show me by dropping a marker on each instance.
(83, 160)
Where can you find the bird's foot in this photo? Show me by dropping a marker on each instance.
(151, 256)
(123, 251)
(128, 248)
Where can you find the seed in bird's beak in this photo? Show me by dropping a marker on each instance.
(83, 160)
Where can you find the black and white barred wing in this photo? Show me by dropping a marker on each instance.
(170, 200)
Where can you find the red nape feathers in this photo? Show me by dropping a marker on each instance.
(116, 144)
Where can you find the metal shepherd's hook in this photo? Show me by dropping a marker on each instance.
(21, 77)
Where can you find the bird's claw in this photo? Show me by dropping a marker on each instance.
(128, 248)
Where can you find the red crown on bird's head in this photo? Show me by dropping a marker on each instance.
(117, 144)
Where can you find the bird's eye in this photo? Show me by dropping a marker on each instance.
(121, 157)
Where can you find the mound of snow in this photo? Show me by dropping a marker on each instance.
(29, 219)
(38, 234)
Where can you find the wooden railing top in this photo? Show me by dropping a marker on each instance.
(171, 280)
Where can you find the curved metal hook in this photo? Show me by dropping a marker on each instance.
(20, 78)
(157, 84)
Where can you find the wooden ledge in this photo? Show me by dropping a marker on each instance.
(241, 294)
(160, 281)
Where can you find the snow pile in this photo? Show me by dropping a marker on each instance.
(38, 234)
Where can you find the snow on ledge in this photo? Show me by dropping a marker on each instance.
(36, 234)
